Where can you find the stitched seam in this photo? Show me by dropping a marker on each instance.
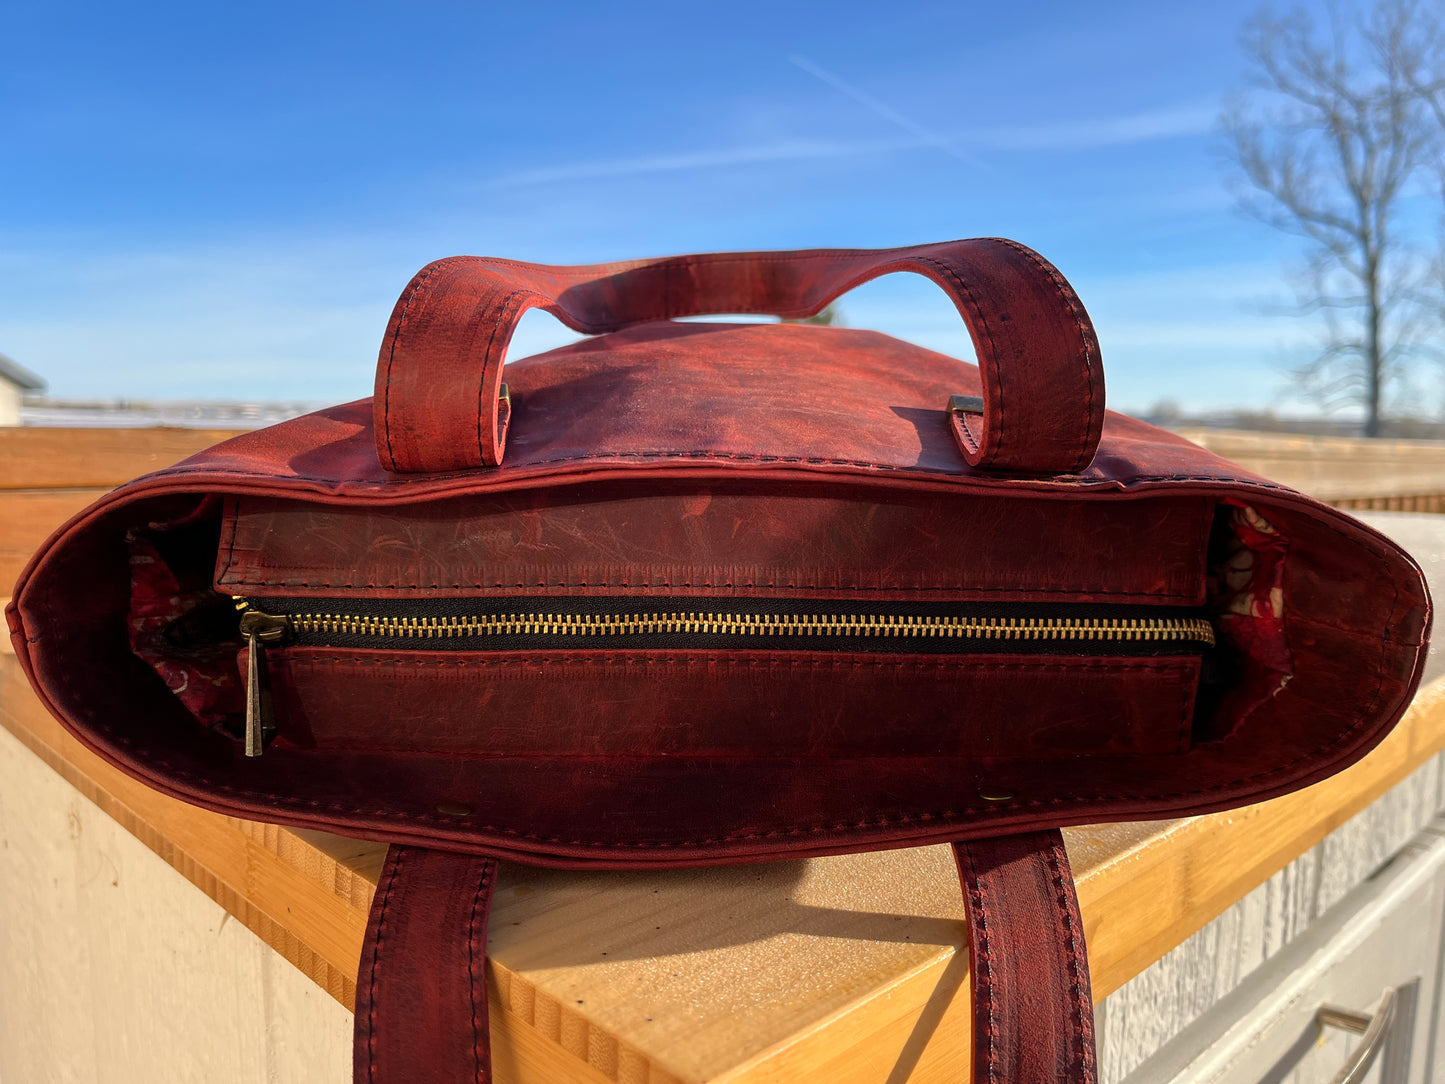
(983, 984)
(1076, 309)
(294, 660)
(961, 429)
(291, 582)
(231, 548)
(395, 866)
(391, 355)
(488, 361)
(479, 1027)
(994, 364)
(1222, 480)
(298, 661)
(1076, 979)
(287, 801)
(752, 586)
(946, 815)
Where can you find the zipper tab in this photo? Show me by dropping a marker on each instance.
(260, 629)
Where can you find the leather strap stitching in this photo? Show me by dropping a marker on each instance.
(993, 362)
(395, 856)
(670, 268)
(1086, 339)
(416, 289)
(960, 426)
(1077, 981)
(488, 361)
(983, 980)
(476, 930)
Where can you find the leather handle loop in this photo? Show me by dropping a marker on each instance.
(421, 988)
(1033, 1013)
(439, 375)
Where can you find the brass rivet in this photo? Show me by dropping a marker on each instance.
(996, 795)
(454, 809)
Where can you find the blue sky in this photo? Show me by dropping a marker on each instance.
(200, 201)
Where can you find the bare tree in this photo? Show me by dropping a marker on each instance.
(830, 316)
(1331, 138)
(1422, 61)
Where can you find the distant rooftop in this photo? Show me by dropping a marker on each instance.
(191, 414)
(19, 375)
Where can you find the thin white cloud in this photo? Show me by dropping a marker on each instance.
(887, 112)
(1168, 122)
(1095, 133)
(792, 151)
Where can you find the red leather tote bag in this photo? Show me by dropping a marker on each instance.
(687, 593)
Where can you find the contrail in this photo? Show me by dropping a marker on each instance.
(869, 102)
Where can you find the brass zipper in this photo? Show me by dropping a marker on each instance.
(261, 629)
(1191, 629)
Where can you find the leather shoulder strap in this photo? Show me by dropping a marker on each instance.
(421, 993)
(1033, 1015)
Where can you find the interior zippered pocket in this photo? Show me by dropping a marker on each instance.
(603, 630)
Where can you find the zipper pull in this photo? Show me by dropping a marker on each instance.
(260, 629)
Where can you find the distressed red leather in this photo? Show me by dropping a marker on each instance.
(847, 704)
(730, 463)
(437, 384)
(1033, 1016)
(421, 989)
(709, 540)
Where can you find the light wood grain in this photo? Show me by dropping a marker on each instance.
(41, 457)
(47, 475)
(1384, 474)
(27, 517)
(1146, 898)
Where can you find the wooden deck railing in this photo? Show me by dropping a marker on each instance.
(47, 475)
(1384, 475)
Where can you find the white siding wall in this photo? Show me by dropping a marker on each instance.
(9, 403)
(114, 969)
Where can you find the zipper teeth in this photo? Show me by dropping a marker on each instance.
(1192, 629)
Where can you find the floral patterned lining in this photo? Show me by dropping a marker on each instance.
(167, 626)
(1246, 589)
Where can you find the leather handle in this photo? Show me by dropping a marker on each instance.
(438, 404)
(421, 989)
(1033, 1013)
